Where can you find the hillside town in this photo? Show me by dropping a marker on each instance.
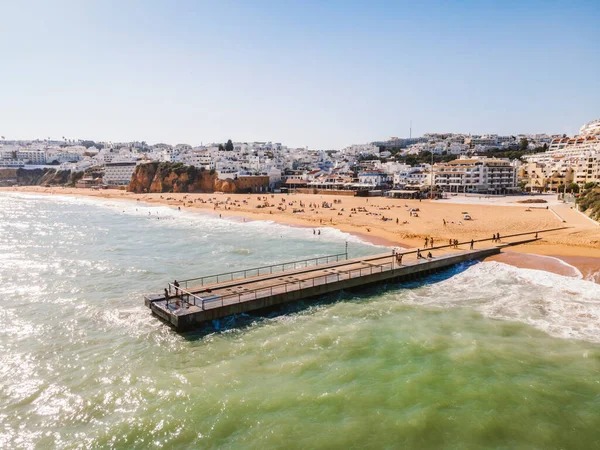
(398, 167)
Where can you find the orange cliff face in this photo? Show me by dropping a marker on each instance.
(168, 177)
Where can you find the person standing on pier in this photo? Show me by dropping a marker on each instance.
(167, 295)
(176, 284)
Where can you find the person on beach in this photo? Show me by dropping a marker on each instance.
(472, 242)
(426, 241)
(397, 221)
(498, 236)
(431, 242)
(444, 222)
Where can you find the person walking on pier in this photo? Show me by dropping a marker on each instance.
(472, 242)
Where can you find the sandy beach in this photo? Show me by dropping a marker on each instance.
(388, 221)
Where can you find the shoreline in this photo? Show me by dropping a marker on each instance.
(554, 254)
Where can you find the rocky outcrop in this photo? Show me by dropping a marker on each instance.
(162, 177)
(35, 177)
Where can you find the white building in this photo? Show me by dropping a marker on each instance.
(36, 157)
(576, 159)
(476, 174)
(373, 178)
(118, 173)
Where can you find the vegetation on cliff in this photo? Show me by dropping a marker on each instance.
(164, 177)
(589, 202)
(54, 177)
(171, 177)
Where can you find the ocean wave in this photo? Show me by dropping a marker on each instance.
(561, 306)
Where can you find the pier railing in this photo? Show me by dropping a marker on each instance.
(221, 300)
(288, 286)
(263, 270)
(210, 300)
(182, 295)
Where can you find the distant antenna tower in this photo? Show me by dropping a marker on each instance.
(410, 130)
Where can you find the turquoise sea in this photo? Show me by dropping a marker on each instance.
(483, 356)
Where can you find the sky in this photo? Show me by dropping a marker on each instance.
(322, 74)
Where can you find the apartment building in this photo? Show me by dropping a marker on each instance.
(118, 173)
(476, 174)
(568, 160)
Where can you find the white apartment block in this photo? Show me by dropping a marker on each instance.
(575, 159)
(37, 157)
(373, 179)
(118, 173)
(477, 174)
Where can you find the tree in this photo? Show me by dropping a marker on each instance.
(589, 185)
(221, 148)
(523, 144)
(573, 187)
(229, 146)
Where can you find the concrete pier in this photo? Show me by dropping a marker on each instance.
(195, 304)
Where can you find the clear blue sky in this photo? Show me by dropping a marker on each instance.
(317, 74)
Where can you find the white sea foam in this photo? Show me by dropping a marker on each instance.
(561, 306)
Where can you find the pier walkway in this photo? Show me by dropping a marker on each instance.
(208, 298)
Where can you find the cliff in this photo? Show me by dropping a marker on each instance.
(35, 177)
(589, 202)
(175, 177)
